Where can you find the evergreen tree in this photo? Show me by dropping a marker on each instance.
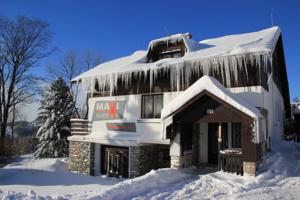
(56, 110)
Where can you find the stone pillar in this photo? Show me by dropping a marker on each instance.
(175, 149)
(249, 168)
(81, 157)
(178, 162)
(145, 158)
(134, 161)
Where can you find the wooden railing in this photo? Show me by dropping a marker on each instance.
(80, 127)
(232, 163)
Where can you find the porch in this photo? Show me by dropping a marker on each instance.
(208, 131)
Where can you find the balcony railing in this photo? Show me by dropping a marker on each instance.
(80, 127)
(232, 162)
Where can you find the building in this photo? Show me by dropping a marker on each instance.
(220, 102)
(295, 107)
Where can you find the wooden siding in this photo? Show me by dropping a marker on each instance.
(196, 111)
(203, 142)
(248, 147)
(162, 48)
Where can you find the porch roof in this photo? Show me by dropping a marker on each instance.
(210, 84)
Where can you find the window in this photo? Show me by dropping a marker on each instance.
(236, 135)
(152, 105)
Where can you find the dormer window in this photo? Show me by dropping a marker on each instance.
(169, 47)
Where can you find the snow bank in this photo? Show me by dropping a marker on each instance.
(47, 179)
(278, 178)
(154, 180)
(47, 164)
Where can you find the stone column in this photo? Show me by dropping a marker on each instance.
(175, 152)
(249, 168)
(81, 157)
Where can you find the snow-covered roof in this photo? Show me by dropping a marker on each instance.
(206, 51)
(213, 86)
(210, 84)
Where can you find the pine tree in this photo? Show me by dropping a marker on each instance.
(57, 108)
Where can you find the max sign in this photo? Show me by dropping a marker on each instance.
(105, 110)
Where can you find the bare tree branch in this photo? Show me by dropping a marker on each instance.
(23, 43)
(71, 65)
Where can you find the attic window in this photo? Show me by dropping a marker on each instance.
(169, 48)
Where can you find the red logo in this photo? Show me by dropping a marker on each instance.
(112, 110)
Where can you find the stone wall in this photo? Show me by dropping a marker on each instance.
(145, 158)
(81, 157)
(249, 168)
(178, 162)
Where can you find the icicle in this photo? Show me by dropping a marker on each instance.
(92, 86)
(180, 73)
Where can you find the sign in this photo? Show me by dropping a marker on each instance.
(106, 110)
(128, 127)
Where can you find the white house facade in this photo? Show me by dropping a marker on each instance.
(219, 102)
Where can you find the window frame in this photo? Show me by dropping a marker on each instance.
(236, 144)
(153, 107)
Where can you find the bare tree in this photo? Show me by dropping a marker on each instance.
(71, 65)
(90, 59)
(23, 43)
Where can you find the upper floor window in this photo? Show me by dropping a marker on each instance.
(171, 47)
(152, 105)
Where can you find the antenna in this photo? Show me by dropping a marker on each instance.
(272, 20)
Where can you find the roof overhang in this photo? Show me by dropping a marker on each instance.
(207, 84)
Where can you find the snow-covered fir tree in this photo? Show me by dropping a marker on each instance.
(56, 109)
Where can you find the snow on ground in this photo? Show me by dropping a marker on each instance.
(278, 178)
(47, 178)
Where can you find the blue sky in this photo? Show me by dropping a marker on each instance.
(118, 28)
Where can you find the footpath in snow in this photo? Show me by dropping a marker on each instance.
(278, 178)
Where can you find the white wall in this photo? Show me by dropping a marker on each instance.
(147, 130)
(270, 100)
(99, 130)
(275, 105)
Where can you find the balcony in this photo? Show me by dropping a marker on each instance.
(80, 127)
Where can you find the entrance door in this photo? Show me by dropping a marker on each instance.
(114, 162)
(213, 143)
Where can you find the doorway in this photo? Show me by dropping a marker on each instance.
(213, 143)
(114, 161)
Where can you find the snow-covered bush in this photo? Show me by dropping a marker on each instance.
(56, 109)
